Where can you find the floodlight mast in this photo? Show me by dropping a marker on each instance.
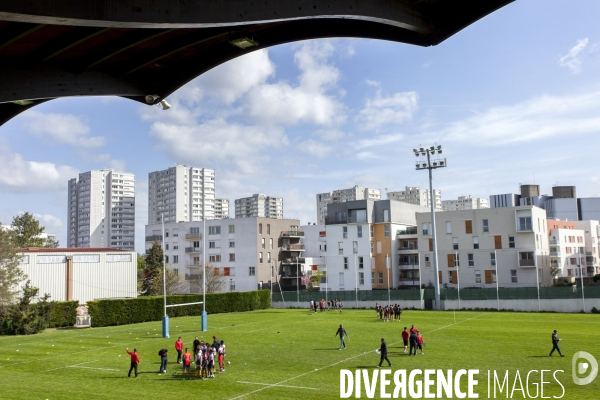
(431, 165)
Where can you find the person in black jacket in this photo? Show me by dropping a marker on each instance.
(383, 352)
(414, 342)
(555, 341)
(196, 346)
(164, 360)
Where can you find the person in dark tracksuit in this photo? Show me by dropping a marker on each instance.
(414, 343)
(383, 351)
(555, 341)
(342, 332)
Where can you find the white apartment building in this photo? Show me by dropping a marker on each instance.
(259, 205)
(247, 252)
(184, 194)
(221, 208)
(417, 196)
(341, 196)
(101, 210)
(473, 244)
(465, 203)
(574, 248)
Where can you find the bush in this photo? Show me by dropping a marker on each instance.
(63, 313)
(595, 310)
(150, 308)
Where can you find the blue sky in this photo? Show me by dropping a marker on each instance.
(513, 98)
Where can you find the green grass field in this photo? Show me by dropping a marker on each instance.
(291, 354)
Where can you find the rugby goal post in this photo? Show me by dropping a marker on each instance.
(165, 319)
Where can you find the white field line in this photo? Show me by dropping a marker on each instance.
(70, 366)
(101, 369)
(269, 384)
(339, 362)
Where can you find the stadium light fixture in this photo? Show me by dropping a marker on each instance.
(243, 43)
(430, 165)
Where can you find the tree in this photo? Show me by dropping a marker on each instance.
(141, 262)
(27, 232)
(176, 284)
(10, 273)
(214, 280)
(555, 271)
(153, 265)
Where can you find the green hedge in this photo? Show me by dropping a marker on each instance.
(53, 314)
(63, 313)
(150, 308)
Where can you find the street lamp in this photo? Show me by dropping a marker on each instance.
(431, 165)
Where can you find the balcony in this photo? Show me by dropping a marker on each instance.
(409, 231)
(408, 265)
(555, 254)
(526, 263)
(357, 220)
(193, 250)
(154, 238)
(554, 242)
(410, 246)
(293, 260)
(293, 247)
(193, 236)
(193, 265)
(296, 233)
(589, 253)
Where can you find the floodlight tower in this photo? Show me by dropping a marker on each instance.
(431, 165)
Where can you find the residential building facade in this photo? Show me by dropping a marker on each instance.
(247, 252)
(417, 196)
(181, 194)
(259, 205)
(101, 210)
(465, 203)
(486, 246)
(221, 208)
(341, 196)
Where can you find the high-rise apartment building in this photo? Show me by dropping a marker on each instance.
(341, 196)
(465, 203)
(417, 196)
(184, 194)
(259, 205)
(101, 210)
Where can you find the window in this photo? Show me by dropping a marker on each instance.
(214, 230)
(526, 259)
(345, 262)
(427, 262)
(175, 247)
(490, 276)
(493, 258)
(379, 247)
(260, 258)
(262, 242)
(380, 278)
(194, 230)
(525, 224)
(355, 247)
(175, 259)
(196, 244)
(498, 242)
(372, 230)
(269, 257)
(232, 230)
(340, 248)
(386, 231)
(260, 229)
(271, 243)
(231, 244)
(475, 243)
(513, 276)
(231, 257)
(372, 247)
(341, 279)
(345, 229)
(361, 278)
(511, 242)
(251, 271)
(468, 226)
(212, 245)
(166, 246)
(471, 260)
(448, 227)
(268, 229)
(166, 234)
(450, 275)
(372, 278)
(360, 262)
(359, 231)
(425, 230)
(486, 226)
(477, 276)
(166, 259)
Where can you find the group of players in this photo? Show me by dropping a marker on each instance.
(388, 313)
(203, 355)
(329, 304)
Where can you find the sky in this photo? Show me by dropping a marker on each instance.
(513, 99)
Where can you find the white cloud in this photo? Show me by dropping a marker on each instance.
(329, 134)
(572, 59)
(51, 223)
(380, 111)
(372, 83)
(378, 141)
(64, 128)
(217, 141)
(19, 175)
(427, 64)
(536, 119)
(281, 103)
(315, 148)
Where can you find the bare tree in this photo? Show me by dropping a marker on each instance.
(176, 283)
(214, 280)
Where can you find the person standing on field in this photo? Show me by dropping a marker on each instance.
(342, 332)
(555, 341)
(179, 348)
(414, 342)
(383, 353)
(405, 336)
(164, 359)
(135, 361)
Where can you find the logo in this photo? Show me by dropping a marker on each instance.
(583, 367)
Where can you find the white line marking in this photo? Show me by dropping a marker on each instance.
(336, 363)
(101, 369)
(70, 366)
(269, 384)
